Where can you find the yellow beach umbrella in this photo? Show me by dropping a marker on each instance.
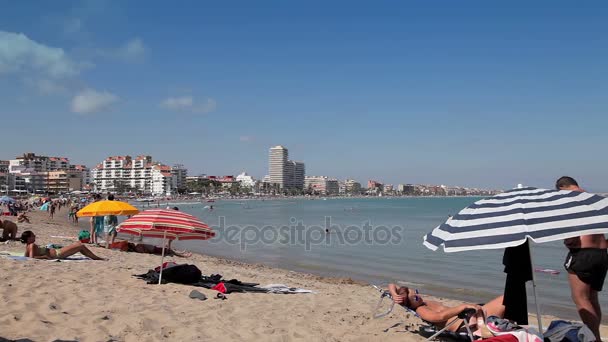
(102, 208)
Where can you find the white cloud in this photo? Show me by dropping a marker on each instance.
(90, 101)
(134, 49)
(18, 53)
(188, 104)
(178, 103)
(46, 86)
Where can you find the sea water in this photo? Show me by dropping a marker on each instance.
(262, 231)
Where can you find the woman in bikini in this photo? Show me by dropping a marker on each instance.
(439, 314)
(32, 250)
(151, 249)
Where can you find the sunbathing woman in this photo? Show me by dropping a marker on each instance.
(151, 249)
(127, 246)
(38, 252)
(439, 314)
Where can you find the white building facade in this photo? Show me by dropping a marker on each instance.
(140, 174)
(322, 185)
(284, 172)
(246, 180)
(38, 163)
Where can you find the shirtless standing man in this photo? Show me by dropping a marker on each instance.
(587, 265)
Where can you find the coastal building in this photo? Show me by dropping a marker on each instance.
(162, 180)
(278, 169)
(299, 173)
(61, 182)
(41, 174)
(140, 174)
(4, 183)
(4, 164)
(246, 180)
(194, 179)
(179, 173)
(285, 173)
(27, 180)
(39, 163)
(374, 187)
(352, 187)
(85, 173)
(4, 176)
(321, 185)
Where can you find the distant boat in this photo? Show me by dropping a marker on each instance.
(145, 200)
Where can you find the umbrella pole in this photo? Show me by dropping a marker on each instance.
(162, 258)
(538, 317)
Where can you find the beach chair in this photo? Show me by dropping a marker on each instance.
(429, 331)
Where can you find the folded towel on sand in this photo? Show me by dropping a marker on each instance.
(281, 288)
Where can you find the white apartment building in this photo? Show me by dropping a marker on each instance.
(277, 166)
(246, 180)
(140, 174)
(163, 182)
(322, 185)
(38, 163)
(288, 174)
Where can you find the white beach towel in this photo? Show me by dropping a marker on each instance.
(282, 288)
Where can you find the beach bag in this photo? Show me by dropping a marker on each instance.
(84, 236)
(183, 274)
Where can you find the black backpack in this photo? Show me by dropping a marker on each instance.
(183, 274)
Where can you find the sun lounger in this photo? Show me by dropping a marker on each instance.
(428, 330)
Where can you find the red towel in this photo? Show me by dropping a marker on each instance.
(220, 287)
(502, 338)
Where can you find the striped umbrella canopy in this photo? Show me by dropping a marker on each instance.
(165, 234)
(166, 224)
(510, 218)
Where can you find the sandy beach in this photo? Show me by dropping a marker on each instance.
(102, 301)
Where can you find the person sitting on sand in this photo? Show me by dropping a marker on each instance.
(38, 252)
(439, 314)
(9, 230)
(23, 218)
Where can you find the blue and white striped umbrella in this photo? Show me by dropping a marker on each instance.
(508, 219)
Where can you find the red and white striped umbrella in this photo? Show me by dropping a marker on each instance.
(166, 223)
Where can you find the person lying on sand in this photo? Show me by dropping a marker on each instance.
(440, 315)
(9, 230)
(151, 249)
(148, 249)
(38, 252)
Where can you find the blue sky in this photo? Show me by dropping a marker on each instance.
(472, 93)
